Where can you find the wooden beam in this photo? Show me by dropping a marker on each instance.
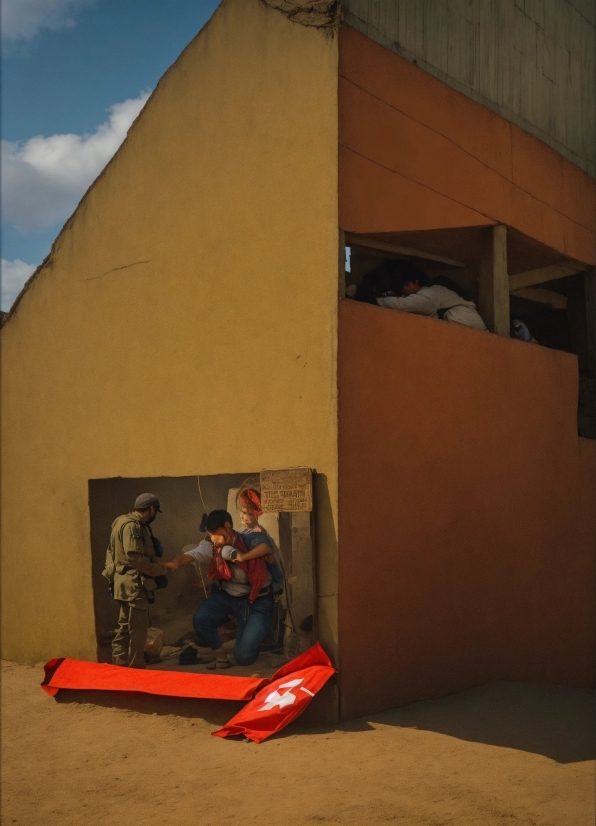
(301, 592)
(342, 264)
(410, 252)
(550, 297)
(493, 282)
(543, 274)
(590, 293)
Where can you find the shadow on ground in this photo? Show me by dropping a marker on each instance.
(554, 721)
(216, 712)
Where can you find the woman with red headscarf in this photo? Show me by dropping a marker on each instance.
(248, 501)
(249, 505)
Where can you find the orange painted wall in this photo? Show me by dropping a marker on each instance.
(416, 154)
(466, 512)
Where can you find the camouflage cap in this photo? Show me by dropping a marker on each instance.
(147, 500)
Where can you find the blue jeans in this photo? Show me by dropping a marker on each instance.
(254, 622)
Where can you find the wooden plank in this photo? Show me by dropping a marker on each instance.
(590, 292)
(354, 240)
(578, 321)
(493, 282)
(550, 297)
(301, 594)
(342, 264)
(542, 275)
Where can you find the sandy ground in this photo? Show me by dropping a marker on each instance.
(503, 753)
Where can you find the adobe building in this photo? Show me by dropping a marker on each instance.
(191, 321)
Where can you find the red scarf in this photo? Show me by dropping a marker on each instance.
(256, 569)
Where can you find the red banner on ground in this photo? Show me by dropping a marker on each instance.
(82, 675)
(279, 701)
(291, 689)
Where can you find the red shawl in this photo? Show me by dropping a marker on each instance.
(256, 569)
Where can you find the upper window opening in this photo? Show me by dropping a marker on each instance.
(542, 297)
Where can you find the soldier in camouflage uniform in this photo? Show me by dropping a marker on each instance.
(132, 548)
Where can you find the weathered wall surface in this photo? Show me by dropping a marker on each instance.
(467, 499)
(532, 61)
(185, 322)
(415, 154)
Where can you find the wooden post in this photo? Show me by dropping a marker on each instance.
(493, 283)
(302, 594)
(590, 293)
(342, 264)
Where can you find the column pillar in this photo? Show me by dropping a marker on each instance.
(493, 282)
(590, 294)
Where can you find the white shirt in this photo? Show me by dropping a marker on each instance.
(429, 300)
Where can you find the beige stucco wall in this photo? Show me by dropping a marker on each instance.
(186, 320)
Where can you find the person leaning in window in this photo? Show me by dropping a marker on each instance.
(399, 285)
(243, 588)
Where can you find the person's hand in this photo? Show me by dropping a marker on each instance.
(239, 557)
(171, 566)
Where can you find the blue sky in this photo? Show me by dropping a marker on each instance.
(75, 73)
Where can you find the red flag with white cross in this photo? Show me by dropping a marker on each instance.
(285, 697)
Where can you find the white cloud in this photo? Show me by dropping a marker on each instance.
(26, 18)
(14, 275)
(43, 179)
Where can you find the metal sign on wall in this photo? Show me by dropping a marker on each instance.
(288, 490)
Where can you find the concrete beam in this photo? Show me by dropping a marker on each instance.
(543, 274)
(550, 297)
(371, 243)
(493, 281)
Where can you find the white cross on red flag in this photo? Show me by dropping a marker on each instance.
(285, 697)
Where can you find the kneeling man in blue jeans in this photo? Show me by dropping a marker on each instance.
(239, 568)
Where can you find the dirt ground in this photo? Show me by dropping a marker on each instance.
(503, 753)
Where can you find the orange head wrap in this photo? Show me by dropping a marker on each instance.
(251, 500)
